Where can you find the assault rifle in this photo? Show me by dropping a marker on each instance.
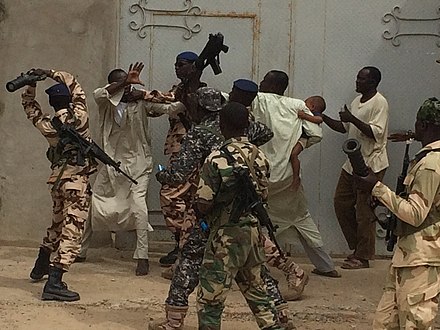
(248, 201)
(390, 237)
(68, 135)
(210, 54)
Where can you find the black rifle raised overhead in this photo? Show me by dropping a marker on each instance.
(86, 148)
(210, 54)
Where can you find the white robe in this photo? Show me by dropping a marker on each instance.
(286, 209)
(117, 203)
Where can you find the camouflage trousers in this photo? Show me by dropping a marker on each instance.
(176, 203)
(234, 252)
(410, 298)
(186, 275)
(71, 202)
(287, 265)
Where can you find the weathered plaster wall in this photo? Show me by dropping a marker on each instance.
(77, 36)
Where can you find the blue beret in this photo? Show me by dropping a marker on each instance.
(58, 90)
(246, 85)
(188, 56)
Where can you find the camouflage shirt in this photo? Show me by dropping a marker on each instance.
(77, 116)
(179, 120)
(423, 204)
(196, 146)
(199, 142)
(216, 185)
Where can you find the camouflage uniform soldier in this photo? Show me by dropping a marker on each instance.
(69, 180)
(410, 299)
(176, 208)
(234, 249)
(201, 140)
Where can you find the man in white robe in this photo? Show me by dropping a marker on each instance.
(117, 203)
(288, 209)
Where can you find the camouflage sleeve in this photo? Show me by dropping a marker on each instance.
(155, 109)
(191, 155)
(33, 112)
(81, 117)
(258, 133)
(264, 181)
(209, 183)
(415, 209)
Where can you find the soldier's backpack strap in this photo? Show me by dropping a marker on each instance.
(249, 161)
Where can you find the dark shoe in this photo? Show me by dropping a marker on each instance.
(332, 273)
(170, 258)
(42, 263)
(80, 259)
(55, 289)
(143, 267)
(355, 263)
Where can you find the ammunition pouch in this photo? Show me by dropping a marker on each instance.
(54, 155)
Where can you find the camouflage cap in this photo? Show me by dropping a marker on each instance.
(209, 98)
(430, 111)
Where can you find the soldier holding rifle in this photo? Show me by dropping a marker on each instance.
(69, 179)
(234, 249)
(410, 298)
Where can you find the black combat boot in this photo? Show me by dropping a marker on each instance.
(55, 289)
(42, 263)
(171, 257)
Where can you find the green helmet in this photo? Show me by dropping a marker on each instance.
(430, 111)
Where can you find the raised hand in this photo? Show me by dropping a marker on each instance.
(133, 74)
(345, 115)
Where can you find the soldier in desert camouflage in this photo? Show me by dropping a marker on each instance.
(69, 180)
(410, 298)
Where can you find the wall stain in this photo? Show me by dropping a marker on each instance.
(3, 12)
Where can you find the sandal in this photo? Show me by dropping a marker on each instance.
(332, 273)
(350, 257)
(355, 263)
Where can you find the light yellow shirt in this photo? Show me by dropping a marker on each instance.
(374, 112)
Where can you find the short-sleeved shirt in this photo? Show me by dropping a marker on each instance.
(422, 204)
(374, 112)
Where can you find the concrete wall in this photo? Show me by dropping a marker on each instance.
(77, 36)
(333, 40)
